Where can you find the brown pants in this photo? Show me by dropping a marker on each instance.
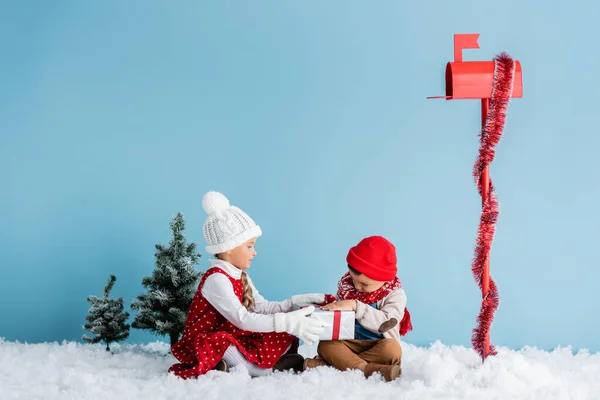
(349, 354)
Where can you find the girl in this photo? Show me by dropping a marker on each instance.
(229, 323)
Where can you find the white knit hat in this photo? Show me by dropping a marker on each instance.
(226, 226)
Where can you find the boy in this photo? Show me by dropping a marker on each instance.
(372, 290)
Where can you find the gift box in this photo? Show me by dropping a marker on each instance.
(339, 325)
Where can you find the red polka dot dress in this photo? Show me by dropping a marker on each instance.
(208, 334)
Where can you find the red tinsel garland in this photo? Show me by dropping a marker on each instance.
(490, 136)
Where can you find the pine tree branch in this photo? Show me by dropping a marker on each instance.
(109, 286)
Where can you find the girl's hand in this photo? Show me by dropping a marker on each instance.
(310, 298)
(344, 305)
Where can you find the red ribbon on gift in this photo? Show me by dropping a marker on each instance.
(337, 322)
(337, 319)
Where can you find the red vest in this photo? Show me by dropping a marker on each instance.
(208, 334)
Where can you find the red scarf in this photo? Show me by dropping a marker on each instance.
(347, 291)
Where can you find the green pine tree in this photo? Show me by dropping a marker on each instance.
(106, 318)
(163, 308)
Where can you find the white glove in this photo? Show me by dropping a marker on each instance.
(310, 298)
(298, 324)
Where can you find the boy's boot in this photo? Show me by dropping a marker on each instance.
(314, 363)
(389, 372)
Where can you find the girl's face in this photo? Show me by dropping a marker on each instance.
(242, 256)
(364, 284)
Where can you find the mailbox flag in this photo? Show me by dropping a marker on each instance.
(464, 41)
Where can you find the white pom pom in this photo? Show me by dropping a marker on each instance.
(213, 202)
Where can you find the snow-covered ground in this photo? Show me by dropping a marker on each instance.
(81, 371)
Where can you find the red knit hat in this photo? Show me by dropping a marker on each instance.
(375, 257)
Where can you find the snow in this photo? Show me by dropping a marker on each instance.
(72, 370)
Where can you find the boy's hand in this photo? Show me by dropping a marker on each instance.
(343, 305)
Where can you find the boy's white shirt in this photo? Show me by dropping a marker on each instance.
(391, 306)
(218, 291)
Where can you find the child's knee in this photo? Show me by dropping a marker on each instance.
(326, 347)
(392, 350)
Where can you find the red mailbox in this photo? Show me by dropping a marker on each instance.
(493, 82)
(474, 79)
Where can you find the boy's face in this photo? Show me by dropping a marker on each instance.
(364, 284)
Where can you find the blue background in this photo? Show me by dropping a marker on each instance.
(311, 116)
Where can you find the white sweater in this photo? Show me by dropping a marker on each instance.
(218, 291)
(391, 307)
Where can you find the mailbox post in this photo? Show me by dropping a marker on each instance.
(493, 82)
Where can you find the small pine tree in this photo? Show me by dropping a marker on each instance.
(106, 318)
(171, 288)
